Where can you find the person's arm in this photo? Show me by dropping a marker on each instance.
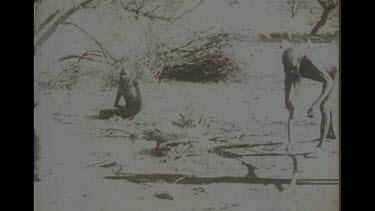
(287, 88)
(117, 100)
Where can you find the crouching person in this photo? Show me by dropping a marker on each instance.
(129, 90)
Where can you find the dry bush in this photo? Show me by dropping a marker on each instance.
(201, 60)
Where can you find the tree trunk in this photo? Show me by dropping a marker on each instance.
(320, 23)
(46, 22)
(323, 18)
(293, 14)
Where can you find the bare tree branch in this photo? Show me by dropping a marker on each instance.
(153, 10)
(45, 36)
(196, 32)
(140, 6)
(103, 50)
(87, 53)
(187, 11)
(322, 3)
(298, 5)
(129, 9)
(334, 3)
(78, 57)
(47, 21)
(294, 6)
(122, 59)
(150, 15)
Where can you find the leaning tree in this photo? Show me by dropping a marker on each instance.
(328, 12)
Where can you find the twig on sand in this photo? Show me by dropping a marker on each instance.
(97, 163)
(113, 129)
(183, 154)
(179, 179)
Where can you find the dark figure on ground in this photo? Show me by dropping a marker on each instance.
(129, 90)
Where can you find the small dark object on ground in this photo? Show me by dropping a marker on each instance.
(121, 111)
(112, 164)
(163, 196)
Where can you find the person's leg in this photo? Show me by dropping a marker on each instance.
(327, 107)
(334, 126)
(331, 133)
(325, 122)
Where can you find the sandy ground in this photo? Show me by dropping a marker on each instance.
(79, 154)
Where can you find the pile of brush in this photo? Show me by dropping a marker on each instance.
(201, 59)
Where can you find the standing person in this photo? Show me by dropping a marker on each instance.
(297, 65)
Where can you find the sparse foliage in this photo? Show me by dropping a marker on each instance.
(186, 118)
(294, 5)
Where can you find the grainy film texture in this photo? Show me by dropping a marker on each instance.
(186, 105)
